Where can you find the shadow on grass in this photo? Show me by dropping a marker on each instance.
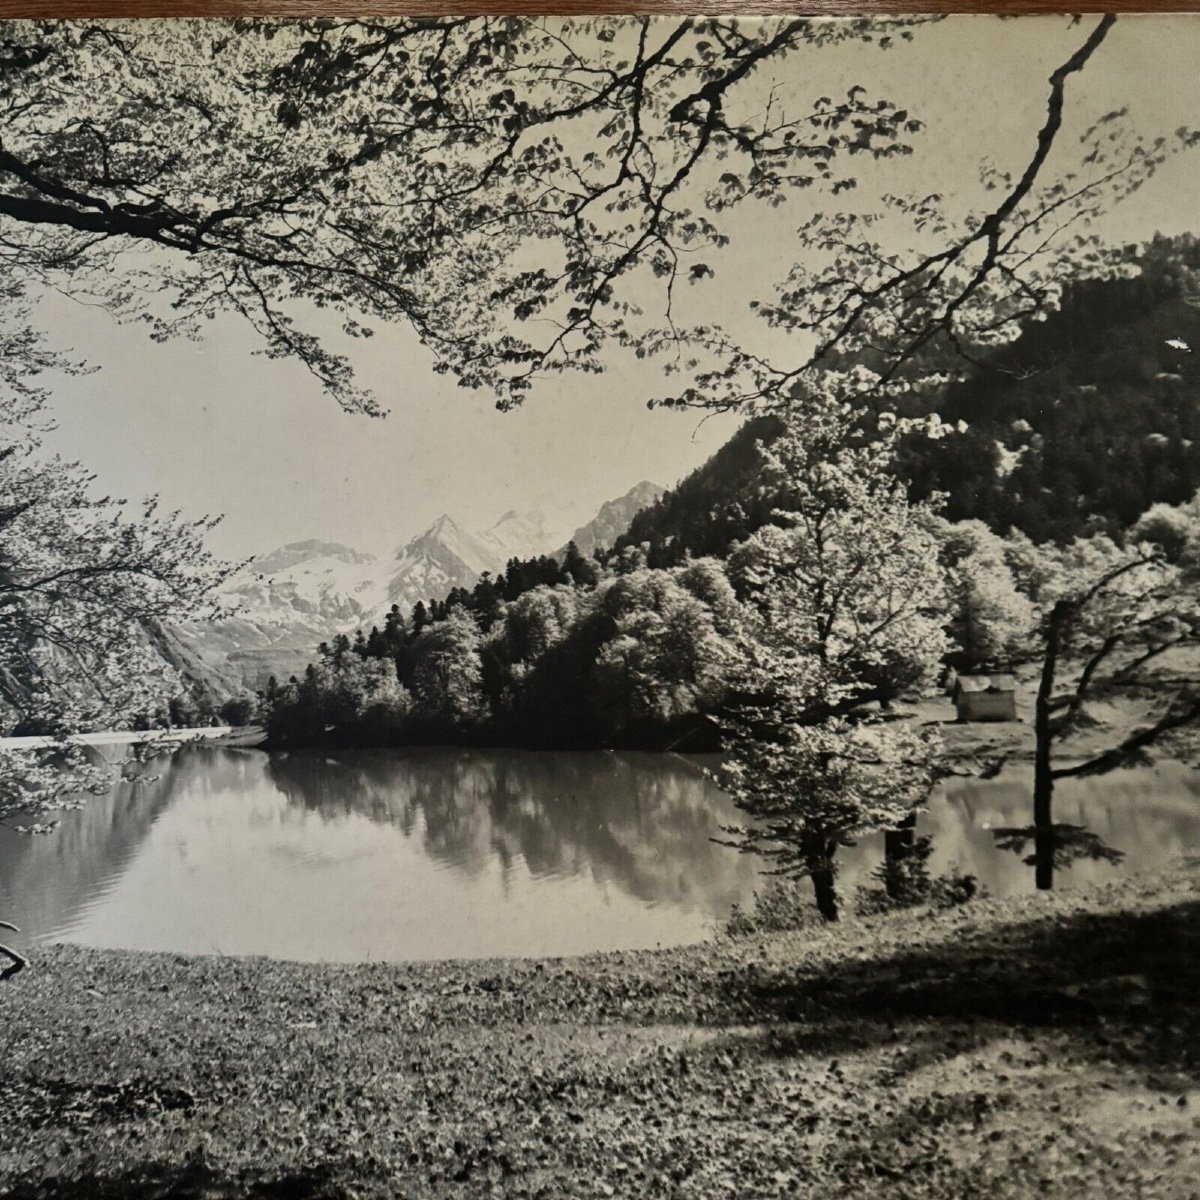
(1118, 985)
(189, 1180)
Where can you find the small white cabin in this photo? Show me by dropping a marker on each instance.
(985, 698)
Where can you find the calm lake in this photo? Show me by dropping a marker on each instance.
(419, 854)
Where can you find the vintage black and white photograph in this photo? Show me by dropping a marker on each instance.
(600, 607)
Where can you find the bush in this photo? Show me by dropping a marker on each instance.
(238, 710)
(782, 905)
(906, 883)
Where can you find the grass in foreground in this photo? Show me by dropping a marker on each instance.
(1046, 1045)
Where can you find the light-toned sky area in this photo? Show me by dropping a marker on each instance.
(214, 428)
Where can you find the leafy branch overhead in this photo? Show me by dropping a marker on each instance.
(521, 192)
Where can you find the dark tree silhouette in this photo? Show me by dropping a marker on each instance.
(1115, 624)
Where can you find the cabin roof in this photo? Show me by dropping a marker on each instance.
(985, 683)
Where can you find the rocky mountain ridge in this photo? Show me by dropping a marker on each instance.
(613, 518)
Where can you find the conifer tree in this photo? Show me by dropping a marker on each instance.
(420, 617)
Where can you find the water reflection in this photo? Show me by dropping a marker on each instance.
(457, 853)
(643, 823)
(1129, 820)
(1055, 847)
(48, 879)
(381, 854)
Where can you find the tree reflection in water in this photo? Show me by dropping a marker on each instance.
(433, 853)
(642, 822)
(412, 854)
(49, 880)
(1133, 819)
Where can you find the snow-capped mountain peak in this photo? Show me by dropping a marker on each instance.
(520, 535)
(292, 598)
(442, 557)
(323, 580)
(295, 553)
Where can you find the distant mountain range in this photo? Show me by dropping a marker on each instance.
(285, 602)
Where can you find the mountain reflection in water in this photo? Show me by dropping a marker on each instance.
(437, 853)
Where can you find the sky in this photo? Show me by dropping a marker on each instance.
(212, 427)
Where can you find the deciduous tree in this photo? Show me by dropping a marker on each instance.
(84, 583)
(990, 617)
(446, 671)
(1110, 616)
(844, 611)
(523, 191)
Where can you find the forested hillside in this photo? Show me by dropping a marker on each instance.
(716, 505)
(1090, 417)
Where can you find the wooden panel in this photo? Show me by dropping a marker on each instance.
(10, 9)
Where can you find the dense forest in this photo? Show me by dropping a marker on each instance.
(1079, 426)
(550, 655)
(1089, 418)
(1072, 433)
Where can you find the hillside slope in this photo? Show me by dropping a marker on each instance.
(1038, 1046)
(613, 519)
(1088, 418)
(1085, 421)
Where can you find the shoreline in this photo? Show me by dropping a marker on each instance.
(920, 1054)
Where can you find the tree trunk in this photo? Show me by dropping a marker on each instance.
(1043, 830)
(825, 892)
(1043, 779)
(820, 871)
(898, 845)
